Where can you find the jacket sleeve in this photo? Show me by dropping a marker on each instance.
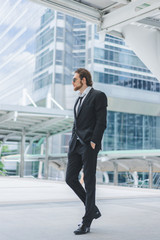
(73, 129)
(100, 114)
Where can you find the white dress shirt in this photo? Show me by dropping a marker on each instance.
(84, 94)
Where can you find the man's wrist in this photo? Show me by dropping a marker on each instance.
(93, 145)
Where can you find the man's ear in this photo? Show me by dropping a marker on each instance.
(84, 80)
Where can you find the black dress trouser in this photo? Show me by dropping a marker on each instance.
(86, 157)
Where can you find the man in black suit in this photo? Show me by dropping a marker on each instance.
(90, 112)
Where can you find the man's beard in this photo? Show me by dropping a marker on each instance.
(78, 87)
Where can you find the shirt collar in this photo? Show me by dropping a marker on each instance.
(85, 92)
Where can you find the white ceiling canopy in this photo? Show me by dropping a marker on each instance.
(111, 15)
(36, 122)
(117, 18)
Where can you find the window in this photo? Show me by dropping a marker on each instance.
(58, 78)
(60, 34)
(44, 60)
(47, 17)
(44, 39)
(60, 15)
(42, 80)
(59, 57)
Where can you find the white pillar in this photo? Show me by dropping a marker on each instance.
(40, 162)
(46, 164)
(22, 154)
(135, 177)
(150, 174)
(40, 169)
(115, 131)
(115, 173)
(106, 177)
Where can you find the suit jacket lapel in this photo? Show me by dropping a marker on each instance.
(84, 102)
(75, 107)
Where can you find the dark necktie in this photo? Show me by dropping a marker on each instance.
(79, 104)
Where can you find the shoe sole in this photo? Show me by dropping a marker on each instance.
(78, 233)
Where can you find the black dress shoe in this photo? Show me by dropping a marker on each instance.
(83, 229)
(97, 215)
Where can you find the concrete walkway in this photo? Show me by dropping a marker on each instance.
(32, 209)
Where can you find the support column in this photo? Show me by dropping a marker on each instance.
(46, 164)
(135, 177)
(22, 154)
(115, 173)
(106, 177)
(115, 131)
(65, 168)
(150, 174)
(40, 162)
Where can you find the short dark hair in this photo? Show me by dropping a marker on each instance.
(84, 73)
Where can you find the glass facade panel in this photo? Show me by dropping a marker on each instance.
(60, 36)
(47, 17)
(59, 57)
(60, 15)
(114, 58)
(127, 80)
(131, 131)
(77, 23)
(42, 80)
(58, 78)
(44, 39)
(44, 60)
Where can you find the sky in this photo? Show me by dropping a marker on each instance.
(19, 21)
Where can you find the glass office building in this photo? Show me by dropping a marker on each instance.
(64, 44)
(40, 49)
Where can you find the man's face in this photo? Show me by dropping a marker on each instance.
(77, 82)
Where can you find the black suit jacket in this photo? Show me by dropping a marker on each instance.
(90, 123)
